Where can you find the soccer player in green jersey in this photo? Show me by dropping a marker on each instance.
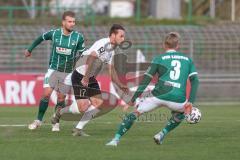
(173, 69)
(66, 45)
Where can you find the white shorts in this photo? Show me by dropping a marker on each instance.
(68, 79)
(55, 80)
(47, 77)
(151, 103)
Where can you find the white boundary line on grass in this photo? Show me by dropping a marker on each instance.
(217, 103)
(13, 125)
(48, 124)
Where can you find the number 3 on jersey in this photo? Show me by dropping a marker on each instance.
(175, 72)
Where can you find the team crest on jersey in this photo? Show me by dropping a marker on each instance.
(65, 51)
(74, 43)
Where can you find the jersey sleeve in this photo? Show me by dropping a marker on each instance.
(48, 35)
(81, 45)
(97, 47)
(45, 36)
(148, 75)
(152, 69)
(193, 70)
(194, 87)
(194, 82)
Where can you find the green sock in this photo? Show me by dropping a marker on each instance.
(42, 108)
(173, 123)
(60, 104)
(125, 125)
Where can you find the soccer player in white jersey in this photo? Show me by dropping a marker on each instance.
(66, 44)
(86, 88)
(173, 69)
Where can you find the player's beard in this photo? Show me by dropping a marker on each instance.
(69, 29)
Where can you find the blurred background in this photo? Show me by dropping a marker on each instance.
(210, 32)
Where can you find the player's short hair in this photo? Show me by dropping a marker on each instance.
(68, 13)
(172, 39)
(114, 29)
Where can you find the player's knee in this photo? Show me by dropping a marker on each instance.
(61, 99)
(178, 117)
(97, 102)
(46, 97)
(83, 105)
(137, 113)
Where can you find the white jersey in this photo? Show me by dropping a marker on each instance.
(105, 53)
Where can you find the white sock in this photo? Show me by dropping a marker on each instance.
(74, 108)
(88, 115)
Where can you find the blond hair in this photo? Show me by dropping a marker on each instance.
(171, 40)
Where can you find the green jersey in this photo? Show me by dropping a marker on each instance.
(64, 48)
(173, 68)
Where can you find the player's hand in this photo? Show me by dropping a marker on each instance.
(188, 108)
(27, 53)
(85, 81)
(130, 103)
(125, 107)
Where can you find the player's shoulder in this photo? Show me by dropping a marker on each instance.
(78, 33)
(181, 55)
(56, 30)
(186, 56)
(51, 30)
(157, 58)
(102, 42)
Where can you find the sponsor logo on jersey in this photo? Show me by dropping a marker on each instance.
(101, 50)
(64, 51)
(173, 84)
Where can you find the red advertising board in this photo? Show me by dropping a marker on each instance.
(27, 89)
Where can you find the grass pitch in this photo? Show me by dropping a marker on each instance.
(217, 136)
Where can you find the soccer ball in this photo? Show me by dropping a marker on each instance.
(195, 116)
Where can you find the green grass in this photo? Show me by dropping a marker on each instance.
(215, 137)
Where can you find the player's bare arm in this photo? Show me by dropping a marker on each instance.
(116, 80)
(90, 60)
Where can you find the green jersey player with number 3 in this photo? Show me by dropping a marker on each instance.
(66, 44)
(173, 69)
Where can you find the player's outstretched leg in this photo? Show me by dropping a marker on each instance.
(172, 123)
(41, 111)
(56, 119)
(43, 105)
(89, 114)
(123, 128)
(72, 108)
